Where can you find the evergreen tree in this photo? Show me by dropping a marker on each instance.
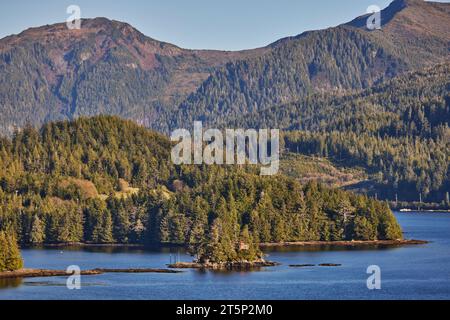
(248, 249)
(3, 251)
(37, 233)
(10, 258)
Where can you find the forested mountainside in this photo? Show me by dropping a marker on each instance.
(414, 35)
(398, 131)
(107, 67)
(106, 180)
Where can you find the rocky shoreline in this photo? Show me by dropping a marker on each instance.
(42, 273)
(239, 265)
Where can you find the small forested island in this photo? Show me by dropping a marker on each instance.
(105, 180)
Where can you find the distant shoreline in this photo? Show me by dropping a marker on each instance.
(351, 243)
(422, 210)
(344, 243)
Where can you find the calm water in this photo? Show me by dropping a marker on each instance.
(413, 272)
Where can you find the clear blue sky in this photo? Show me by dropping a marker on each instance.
(195, 24)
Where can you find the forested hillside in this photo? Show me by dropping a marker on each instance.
(106, 67)
(328, 60)
(376, 101)
(414, 35)
(398, 130)
(106, 180)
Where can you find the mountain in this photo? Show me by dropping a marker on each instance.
(375, 100)
(417, 29)
(107, 67)
(414, 35)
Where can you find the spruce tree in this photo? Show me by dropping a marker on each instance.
(3, 251)
(37, 234)
(10, 258)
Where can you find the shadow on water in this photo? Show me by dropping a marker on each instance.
(110, 249)
(10, 283)
(173, 249)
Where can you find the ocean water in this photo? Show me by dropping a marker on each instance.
(408, 272)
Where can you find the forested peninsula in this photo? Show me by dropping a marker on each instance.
(105, 180)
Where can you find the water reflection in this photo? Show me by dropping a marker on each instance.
(180, 250)
(110, 249)
(320, 248)
(10, 283)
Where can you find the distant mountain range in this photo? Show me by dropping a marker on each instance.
(108, 67)
(374, 103)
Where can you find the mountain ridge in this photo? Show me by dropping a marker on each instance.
(108, 67)
(335, 59)
(58, 61)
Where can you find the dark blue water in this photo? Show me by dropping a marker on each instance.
(410, 272)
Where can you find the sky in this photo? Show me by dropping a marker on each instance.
(195, 24)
